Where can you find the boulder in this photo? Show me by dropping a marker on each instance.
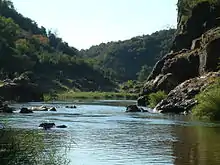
(133, 108)
(52, 109)
(47, 125)
(25, 110)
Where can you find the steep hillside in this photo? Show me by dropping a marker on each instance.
(130, 59)
(192, 65)
(36, 57)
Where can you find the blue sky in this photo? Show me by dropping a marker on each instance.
(83, 23)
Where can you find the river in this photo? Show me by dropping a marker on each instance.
(101, 133)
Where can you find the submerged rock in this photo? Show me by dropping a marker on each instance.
(61, 126)
(71, 107)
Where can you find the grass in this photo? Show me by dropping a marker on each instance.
(29, 147)
(208, 106)
(155, 98)
(71, 95)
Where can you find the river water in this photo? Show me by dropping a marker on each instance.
(101, 133)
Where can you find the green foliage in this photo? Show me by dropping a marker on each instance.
(54, 64)
(144, 73)
(208, 106)
(124, 59)
(28, 147)
(155, 98)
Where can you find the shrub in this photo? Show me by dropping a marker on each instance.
(155, 98)
(208, 106)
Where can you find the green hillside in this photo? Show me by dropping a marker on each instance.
(130, 59)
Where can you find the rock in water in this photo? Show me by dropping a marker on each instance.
(47, 125)
(52, 109)
(25, 110)
(71, 107)
(133, 108)
(61, 126)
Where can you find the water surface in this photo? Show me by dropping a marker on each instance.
(101, 133)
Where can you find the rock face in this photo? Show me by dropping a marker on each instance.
(21, 90)
(194, 58)
(182, 98)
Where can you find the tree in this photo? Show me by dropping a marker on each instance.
(144, 72)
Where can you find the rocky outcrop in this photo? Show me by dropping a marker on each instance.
(172, 70)
(193, 22)
(20, 89)
(193, 61)
(182, 98)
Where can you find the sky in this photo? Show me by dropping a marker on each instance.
(83, 23)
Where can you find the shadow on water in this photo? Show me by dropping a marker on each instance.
(31, 147)
(197, 145)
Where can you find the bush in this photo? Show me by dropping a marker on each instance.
(155, 98)
(208, 106)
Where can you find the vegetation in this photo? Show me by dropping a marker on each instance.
(71, 95)
(155, 98)
(130, 59)
(28, 147)
(208, 106)
(44, 57)
(53, 65)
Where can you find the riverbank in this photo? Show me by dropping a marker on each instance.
(71, 95)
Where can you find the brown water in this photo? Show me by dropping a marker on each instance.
(102, 133)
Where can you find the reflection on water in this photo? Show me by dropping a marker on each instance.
(105, 135)
(197, 145)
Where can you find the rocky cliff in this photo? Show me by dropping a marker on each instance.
(193, 61)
